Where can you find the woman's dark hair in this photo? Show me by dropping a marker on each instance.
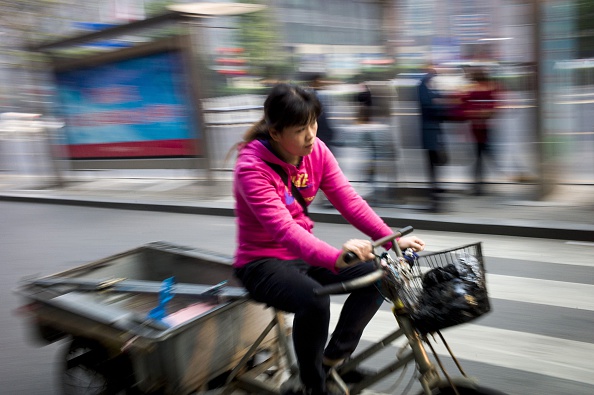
(286, 105)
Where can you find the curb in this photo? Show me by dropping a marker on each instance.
(536, 229)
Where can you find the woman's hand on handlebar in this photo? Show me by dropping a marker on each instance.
(411, 242)
(361, 248)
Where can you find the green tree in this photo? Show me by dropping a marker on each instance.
(21, 25)
(260, 37)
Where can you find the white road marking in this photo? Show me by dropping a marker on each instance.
(580, 243)
(545, 292)
(560, 358)
(562, 252)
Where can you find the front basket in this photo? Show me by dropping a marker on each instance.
(452, 289)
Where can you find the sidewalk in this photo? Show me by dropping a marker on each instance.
(567, 214)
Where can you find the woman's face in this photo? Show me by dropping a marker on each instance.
(294, 142)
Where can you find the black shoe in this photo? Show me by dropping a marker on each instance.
(355, 376)
(435, 208)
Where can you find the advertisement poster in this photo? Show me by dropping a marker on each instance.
(134, 108)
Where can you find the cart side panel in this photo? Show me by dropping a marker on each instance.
(202, 351)
(63, 323)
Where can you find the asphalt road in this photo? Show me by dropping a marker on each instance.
(537, 340)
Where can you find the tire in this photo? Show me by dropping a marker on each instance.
(464, 388)
(88, 369)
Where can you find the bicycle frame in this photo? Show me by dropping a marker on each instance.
(429, 376)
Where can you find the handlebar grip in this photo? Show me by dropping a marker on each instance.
(406, 230)
(350, 257)
(399, 233)
(341, 287)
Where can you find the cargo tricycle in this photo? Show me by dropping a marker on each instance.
(169, 319)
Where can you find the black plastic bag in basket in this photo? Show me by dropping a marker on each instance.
(452, 295)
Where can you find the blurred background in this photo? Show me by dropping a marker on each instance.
(145, 87)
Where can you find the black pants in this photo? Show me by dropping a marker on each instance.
(432, 162)
(289, 285)
(435, 158)
(482, 150)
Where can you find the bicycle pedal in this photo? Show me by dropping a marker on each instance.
(336, 384)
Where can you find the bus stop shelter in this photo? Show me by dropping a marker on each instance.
(131, 95)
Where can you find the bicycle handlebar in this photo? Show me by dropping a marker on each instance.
(350, 285)
(366, 280)
(401, 232)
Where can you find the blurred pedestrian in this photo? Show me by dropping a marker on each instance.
(326, 132)
(480, 108)
(376, 138)
(432, 114)
(366, 137)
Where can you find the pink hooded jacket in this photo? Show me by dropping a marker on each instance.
(271, 222)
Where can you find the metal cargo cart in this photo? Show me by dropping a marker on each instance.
(106, 309)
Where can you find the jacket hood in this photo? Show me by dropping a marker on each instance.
(259, 149)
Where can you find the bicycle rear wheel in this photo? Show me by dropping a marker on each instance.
(87, 369)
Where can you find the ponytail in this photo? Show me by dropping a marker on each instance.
(257, 131)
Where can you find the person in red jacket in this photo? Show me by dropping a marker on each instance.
(280, 167)
(479, 109)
